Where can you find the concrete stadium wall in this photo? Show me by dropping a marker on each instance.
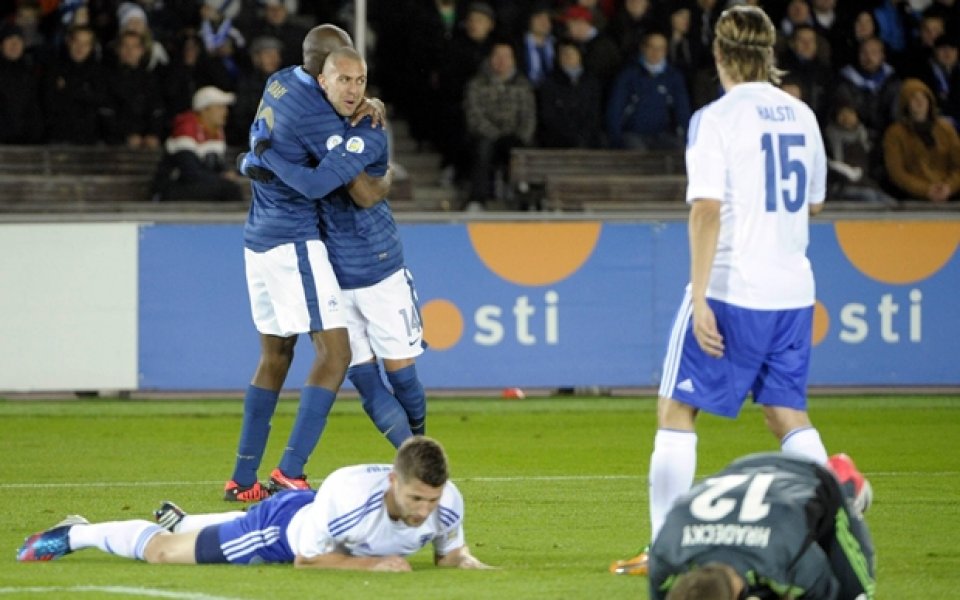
(536, 304)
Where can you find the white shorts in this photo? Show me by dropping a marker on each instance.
(293, 289)
(384, 319)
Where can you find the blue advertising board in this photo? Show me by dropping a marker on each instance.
(557, 304)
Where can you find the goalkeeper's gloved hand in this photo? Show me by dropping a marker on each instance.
(259, 137)
(252, 167)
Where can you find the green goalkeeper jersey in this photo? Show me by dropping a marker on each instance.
(781, 522)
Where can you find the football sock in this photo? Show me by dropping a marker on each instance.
(409, 391)
(315, 404)
(258, 407)
(673, 464)
(805, 441)
(198, 522)
(123, 538)
(381, 406)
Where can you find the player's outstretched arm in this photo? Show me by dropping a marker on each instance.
(461, 559)
(337, 560)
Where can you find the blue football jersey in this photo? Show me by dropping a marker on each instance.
(302, 122)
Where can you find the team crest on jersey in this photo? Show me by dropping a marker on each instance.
(355, 145)
(333, 141)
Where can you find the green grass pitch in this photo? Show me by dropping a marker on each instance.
(555, 489)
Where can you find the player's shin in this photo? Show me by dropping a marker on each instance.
(380, 405)
(409, 391)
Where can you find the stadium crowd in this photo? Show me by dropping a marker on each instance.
(475, 79)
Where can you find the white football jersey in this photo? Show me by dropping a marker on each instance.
(349, 515)
(759, 151)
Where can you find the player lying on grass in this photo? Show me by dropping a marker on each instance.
(363, 517)
(768, 526)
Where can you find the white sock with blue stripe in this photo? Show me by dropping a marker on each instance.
(123, 538)
(805, 441)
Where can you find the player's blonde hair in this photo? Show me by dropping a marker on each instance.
(743, 43)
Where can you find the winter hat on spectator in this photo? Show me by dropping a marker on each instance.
(946, 39)
(265, 42)
(8, 29)
(578, 13)
(482, 8)
(210, 95)
(129, 11)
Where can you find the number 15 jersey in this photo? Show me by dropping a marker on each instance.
(759, 151)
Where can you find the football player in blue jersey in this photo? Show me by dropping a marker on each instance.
(292, 287)
(364, 517)
(364, 246)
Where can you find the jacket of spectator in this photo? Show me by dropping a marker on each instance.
(570, 109)
(21, 121)
(921, 154)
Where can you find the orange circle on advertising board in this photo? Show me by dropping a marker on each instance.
(442, 324)
(821, 322)
(898, 252)
(534, 253)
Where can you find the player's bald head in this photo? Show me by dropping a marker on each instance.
(319, 42)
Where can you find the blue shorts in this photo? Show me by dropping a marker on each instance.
(766, 352)
(260, 536)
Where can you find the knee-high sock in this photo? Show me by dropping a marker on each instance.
(382, 407)
(315, 404)
(198, 522)
(123, 538)
(805, 441)
(409, 391)
(258, 407)
(672, 467)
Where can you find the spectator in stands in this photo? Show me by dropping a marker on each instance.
(828, 24)
(220, 37)
(538, 46)
(27, 17)
(648, 107)
(632, 19)
(862, 26)
(276, 22)
(801, 60)
(194, 164)
(190, 69)
(500, 115)
(854, 165)
(569, 105)
(871, 86)
(601, 56)
(798, 14)
(467, 52)
(21, 121)
(942, 76)
(265, 53)
(684, 51)
(132, 17)
(73, 91)
(921, 151)
(920, 49)
(893, 24)
(133, 113)
(705, 86)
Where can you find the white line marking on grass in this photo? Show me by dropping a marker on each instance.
(113, 589)
(506, 479)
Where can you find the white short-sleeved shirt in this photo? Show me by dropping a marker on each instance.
(349, 515)
(759, 151)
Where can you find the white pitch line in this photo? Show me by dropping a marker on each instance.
(113, 589)
(501, 479)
